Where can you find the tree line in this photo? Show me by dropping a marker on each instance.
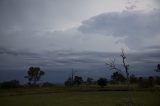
(34, 75)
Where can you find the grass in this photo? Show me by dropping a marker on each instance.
(76, 96)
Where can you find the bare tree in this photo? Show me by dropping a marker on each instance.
(125, 64)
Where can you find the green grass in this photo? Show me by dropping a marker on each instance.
(75, 96)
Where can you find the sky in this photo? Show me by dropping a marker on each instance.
(61, 35)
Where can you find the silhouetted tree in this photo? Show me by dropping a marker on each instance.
(78, 80)
(34, 75)
(102, 82)
(118, 77)
(157, 68)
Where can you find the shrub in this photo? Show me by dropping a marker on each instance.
(102, 82)
(10, 84)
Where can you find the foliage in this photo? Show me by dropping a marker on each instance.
(118, 77)
(77, 80)
(34, 75)
(102, 82)
(146, 83)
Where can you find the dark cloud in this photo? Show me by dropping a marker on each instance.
(80, 60)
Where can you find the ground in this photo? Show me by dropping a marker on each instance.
(78, 96)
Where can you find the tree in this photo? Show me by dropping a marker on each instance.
(118, 77)
(34, 75)
(102, 82)
(157, 68)
(126, 70)
(77, 80)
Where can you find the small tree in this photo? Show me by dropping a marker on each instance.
(118, 77)
(102, 82)
(34, 75)
(77, 80)
(157, 68)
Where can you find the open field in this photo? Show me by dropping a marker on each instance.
(76, 96)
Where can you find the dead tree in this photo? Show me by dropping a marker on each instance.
(113, 66)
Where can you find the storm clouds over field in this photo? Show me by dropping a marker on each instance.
(81, 35)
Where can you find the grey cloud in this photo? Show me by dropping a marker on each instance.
(154, 47)
(9, 51)
(126, 23)
(145, 57)
(135, 25)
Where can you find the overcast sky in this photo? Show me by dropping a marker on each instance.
(79, 34)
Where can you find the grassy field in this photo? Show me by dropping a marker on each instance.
(76, 96)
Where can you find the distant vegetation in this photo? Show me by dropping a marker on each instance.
(141, 82)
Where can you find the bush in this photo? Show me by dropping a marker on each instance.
(102, 82)
(146, 83)
(157, 80)
(68, 82)
(10, 84)
(48, 84)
